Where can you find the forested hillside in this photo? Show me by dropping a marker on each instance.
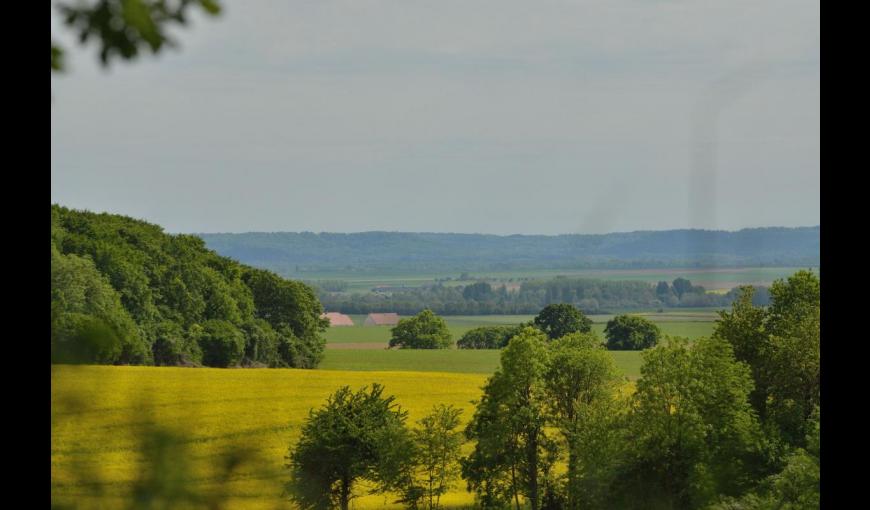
(289, 252)
(125, 292)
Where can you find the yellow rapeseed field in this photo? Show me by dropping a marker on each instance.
(99, 412)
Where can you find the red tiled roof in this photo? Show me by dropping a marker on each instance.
(337, 319)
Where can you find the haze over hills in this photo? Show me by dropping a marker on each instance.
(300, 252)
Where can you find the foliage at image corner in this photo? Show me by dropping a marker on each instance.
(124, 28)
(124, 292)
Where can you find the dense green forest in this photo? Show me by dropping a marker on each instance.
(291, 253)
(481, 298)
(125, 292)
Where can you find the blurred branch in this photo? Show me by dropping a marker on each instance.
(124, 28)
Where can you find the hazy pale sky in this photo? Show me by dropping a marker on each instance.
(500, 117)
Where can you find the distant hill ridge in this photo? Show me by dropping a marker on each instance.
(290, 252)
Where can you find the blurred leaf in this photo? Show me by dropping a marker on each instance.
(210, 7)
(56, 58)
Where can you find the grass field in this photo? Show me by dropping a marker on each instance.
(692, 324)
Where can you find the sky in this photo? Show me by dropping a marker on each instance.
(501, 117)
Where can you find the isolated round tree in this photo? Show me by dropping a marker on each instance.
(356, 437)
(423, 331)
(561, 319)
(631, 333)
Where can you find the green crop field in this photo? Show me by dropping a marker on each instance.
(691, 324)
(458, 326)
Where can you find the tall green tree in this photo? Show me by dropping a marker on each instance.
(512, 450)
(694, 434)
(561, 319)
(356, 436)
(579, 376)
(438, 441)
(423, 331)
(782, 345)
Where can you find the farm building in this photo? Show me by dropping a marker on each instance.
(382, 319)
(337, 319)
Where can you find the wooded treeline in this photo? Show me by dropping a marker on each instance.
(482, 298)
(125, 292)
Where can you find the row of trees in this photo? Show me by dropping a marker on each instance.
(481, 298)
(726, 422)
(124, 292)
(623, 332)
(428, 331)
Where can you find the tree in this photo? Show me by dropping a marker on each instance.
(293, 311)
(89, 322)
(693, 432)
(438, 444)
(663, 289)
(172, 346)
(682, 286)
(261, 344)
(355, 436)
(222, 344)
(782, 346)
(631, 333)
(155, 289)
(558, 320)
(423, 331)
(796, 487)
(479, 291)
(578, 377)
(513, 453)
(487, 337)
(123, 28)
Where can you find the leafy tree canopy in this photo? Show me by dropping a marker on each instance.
(694, 434)
(558, 320)
(423, 331)
(782, 346)
(161, 294)
(357, 436)
(631, 333)
(487, 337)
